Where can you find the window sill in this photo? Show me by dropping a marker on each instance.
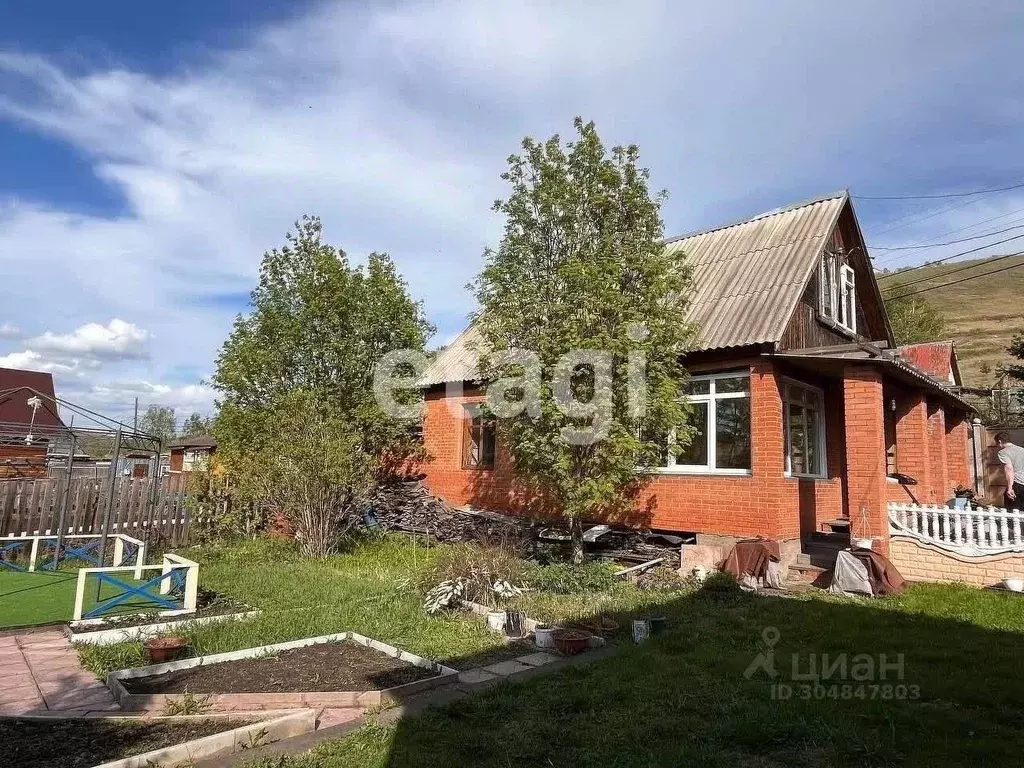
(698, 471)
(479, 469)
(791, 476)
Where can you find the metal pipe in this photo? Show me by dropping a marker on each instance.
(154, 481)
(65, 497)
(108, 507)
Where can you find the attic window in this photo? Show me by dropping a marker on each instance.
(838, 302)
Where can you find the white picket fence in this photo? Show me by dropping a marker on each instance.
(971, 532)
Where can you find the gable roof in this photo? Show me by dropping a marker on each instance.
(937, 358)
(196, 441)
(16, 388)
(747, 280)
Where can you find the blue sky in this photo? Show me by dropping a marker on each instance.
(150, 153)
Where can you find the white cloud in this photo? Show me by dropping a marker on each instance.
(393, 122)
(9, 331)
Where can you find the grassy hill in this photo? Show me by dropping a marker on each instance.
(981, 314)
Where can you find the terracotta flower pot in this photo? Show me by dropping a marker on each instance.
(570, 641)
(161, 649)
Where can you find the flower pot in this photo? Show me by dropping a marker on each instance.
(960, 502)
(496, 620)
(161, 649)
(515, 623)
(543, 636)
(570, 641)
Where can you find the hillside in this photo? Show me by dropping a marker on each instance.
(981, 314)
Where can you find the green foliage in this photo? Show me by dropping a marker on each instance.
(158, 420)
(720, 585)
(298, 424)
(581, 264)
(1016, 351)
(912, 318)
(569, 579)
(477, 568)
(195, 425)
(662, 579)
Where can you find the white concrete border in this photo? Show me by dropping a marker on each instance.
(130, 701)
(114, 635)
(244, 737)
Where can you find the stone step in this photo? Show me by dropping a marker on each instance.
(809, 574)
(839, 525)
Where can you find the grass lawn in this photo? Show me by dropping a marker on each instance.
(683, 698)
(43, 597)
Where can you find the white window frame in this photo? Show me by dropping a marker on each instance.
(821, 472)
(838, 282)
(711, 398)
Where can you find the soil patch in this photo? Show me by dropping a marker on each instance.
(81, 743)
(313, 669)
(208, 603)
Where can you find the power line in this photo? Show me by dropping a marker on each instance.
(955, 255)
(938, 212)
(957, 282)
(967, 226)
(948, 242)
(939, 197)
(901, 286)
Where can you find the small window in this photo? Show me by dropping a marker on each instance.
(479, 440)
(838, 300)
(805, 430)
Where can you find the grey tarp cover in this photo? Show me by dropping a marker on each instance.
(850, 576)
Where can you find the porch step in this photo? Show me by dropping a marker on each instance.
(839, 525)
(809, 574)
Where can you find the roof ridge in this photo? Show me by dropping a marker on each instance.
(764, 215)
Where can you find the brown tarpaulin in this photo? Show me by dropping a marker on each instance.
(884, 578)
(751, 557)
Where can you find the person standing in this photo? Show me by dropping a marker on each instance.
(1012, 458)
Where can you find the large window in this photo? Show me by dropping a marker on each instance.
(805, 430)
(478, 440)
(838, 292)
(720, 426)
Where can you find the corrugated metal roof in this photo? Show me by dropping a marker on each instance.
(935, 357)
(747, 280)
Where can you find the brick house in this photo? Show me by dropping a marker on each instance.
(806, 413)
(24, 430)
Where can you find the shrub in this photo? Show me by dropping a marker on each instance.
(720, 585)
(662, 578)
(477, 569)
(566, 579)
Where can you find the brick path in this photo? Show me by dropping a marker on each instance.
(41, 674)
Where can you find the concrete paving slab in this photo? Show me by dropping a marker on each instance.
(474, 676)
(506, 668)
(537, 659)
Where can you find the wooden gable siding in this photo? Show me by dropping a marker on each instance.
(806, 330)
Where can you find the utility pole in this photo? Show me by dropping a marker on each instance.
(135, 422)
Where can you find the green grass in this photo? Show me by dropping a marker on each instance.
(981, 314)
(41, 597)
(683, 698)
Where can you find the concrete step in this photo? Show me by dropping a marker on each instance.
(834, 541)
(819, 559)
(809, 574)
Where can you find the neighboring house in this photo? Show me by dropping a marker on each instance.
(25, 432)
(191, 454)
(804, 414)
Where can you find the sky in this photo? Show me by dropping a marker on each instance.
(150, 153)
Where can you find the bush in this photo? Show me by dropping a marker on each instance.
(662, 579)
(720, 585)
(566, 579)
(476, 568)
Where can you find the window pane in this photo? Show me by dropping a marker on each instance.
(797, 440)
(732, 434)
(732, 384)
(696, 452)
(814, 460)
(697, 387)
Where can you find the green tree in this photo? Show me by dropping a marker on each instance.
(1016, 351)
(582, 266)
(158, 420)
(196, 425)
(308, 351)
(913, 319)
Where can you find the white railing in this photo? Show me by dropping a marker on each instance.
(42, 547)
(970, 532)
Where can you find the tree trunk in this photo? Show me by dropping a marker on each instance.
(576, 537)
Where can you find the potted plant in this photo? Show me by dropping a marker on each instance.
(161, 649)
(571, 641)
(503, 591)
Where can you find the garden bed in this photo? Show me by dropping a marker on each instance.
(208, 604)
(52, 742)
(343, 670)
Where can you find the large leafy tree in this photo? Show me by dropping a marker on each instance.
(582, 266)
(195, 425)
(158, 420)
(299, 425)
(1016, 351)
(913, 319)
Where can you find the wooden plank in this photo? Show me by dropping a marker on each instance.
(7, 507)
(21, 512)
(47, 520)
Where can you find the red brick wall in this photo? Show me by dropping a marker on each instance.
(938, 476)
(865, 455)
(764, 503)
(958, 437)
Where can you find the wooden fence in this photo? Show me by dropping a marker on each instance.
(32, 507)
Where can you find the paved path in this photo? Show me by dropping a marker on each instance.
(41, 674)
